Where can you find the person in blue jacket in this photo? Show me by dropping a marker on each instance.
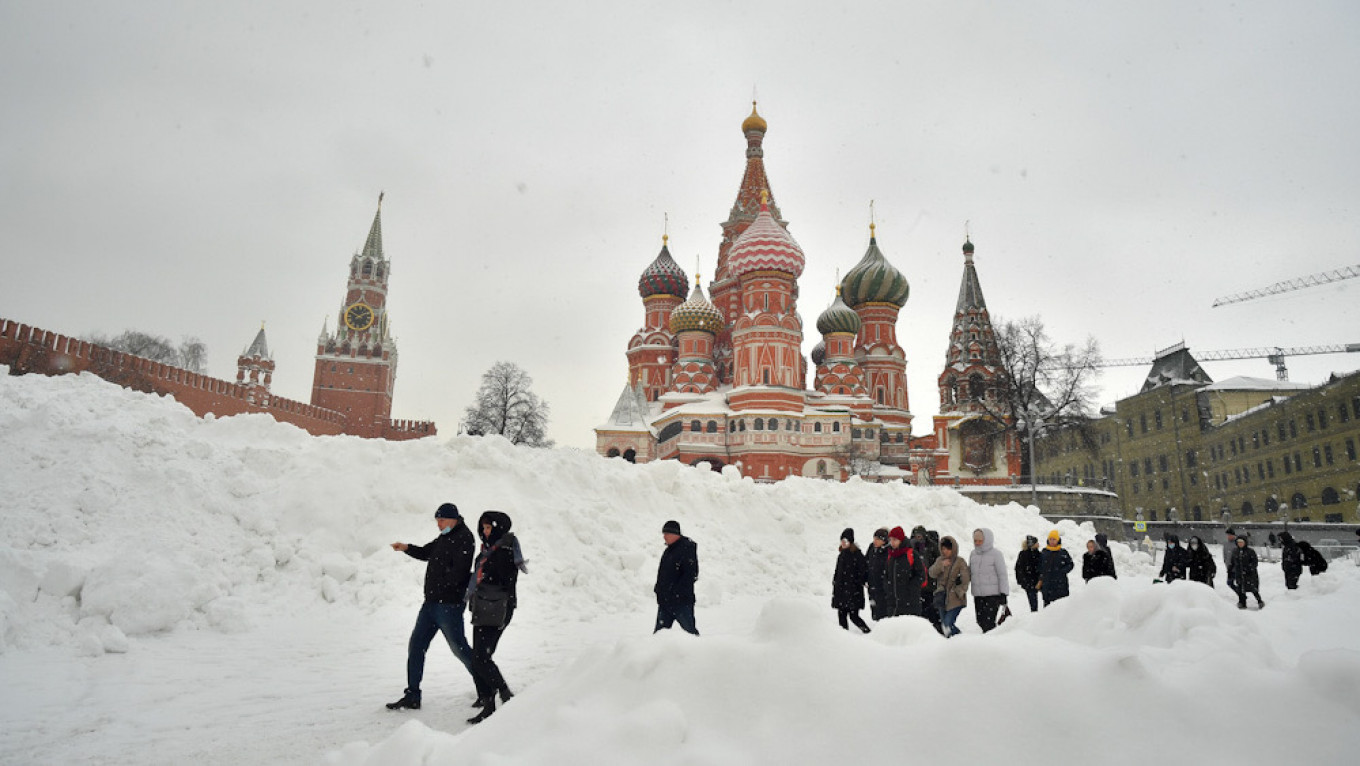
(1054, 564)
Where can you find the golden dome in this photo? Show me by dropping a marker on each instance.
(754, 122)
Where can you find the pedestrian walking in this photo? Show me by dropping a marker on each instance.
(904, 577)
(1200, 566)
(1175, 560)
(1230, 548)
(675, 578)
(1243, 569)
(492, 593)
(927, 546)
(1291, 560)
(876, 563)
(1027, 570)
(1054, 564)
(1104, 543)
(990, 584)
(952, 577)
(847, 585)
(448, 566)
(1096, 562)
(1313, 559)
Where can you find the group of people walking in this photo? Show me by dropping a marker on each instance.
(458, 576)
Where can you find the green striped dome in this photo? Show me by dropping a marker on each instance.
(874, 280)
(838, 318)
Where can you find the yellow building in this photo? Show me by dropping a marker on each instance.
(1189, 449)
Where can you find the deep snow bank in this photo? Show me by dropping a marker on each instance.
(123, 515)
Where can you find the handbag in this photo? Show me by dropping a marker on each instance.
(490, 607)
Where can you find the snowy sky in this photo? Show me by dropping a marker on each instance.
(196, 168)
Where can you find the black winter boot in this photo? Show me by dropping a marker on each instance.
(506, 694)
(409, 699)
(488, 707)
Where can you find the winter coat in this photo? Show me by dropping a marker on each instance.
(1104, 543)
(847, 585)
(951, 579)
(1176, 560)
(1291, 557)
(677, 573)
(1315, 561)
(988, 568)
(903, 582)
(496, 569)
(448, 564)
(1027, 568)
(1054, 564)
(1200, 567)
(876, 564)
(1097, 563)
(1243, 568)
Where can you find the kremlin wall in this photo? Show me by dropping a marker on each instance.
(354, 378)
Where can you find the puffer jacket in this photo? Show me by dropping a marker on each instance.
(988, 568)
(1243, 568)
(951, 578)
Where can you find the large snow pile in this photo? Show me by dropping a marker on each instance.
(222, 590)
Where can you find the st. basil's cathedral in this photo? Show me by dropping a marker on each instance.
(722, 380)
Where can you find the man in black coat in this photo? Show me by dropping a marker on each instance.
(1291, 561)
(876, 564)
(675, 579)
(1176, 560)
(448, 566)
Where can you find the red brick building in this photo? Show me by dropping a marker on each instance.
(725, 382)
(356, 366)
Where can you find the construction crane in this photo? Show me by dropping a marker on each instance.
(1312, 280)
(1275, 356)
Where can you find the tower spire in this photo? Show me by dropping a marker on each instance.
(373, 247)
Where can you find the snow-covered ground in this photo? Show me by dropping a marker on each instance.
(179, 590)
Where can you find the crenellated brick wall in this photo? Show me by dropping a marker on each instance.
(25, 349)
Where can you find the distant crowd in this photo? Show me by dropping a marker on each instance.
(925, 575)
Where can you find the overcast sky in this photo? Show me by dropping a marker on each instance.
(195, 168)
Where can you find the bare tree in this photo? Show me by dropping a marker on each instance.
(505, 406)
(191, 353)
(1050, 381)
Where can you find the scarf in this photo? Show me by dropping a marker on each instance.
(904, 550)
(1057, 547)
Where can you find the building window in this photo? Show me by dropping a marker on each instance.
(1247, 510)
(1270, 468)
(1280, 428)
(1272, 505)
(1298, 502)
(1265, 436)
(1293, 430)
(855, 433)
(1317, 457)
(1322, 418)
(1133, 469)
(1330, 496)
(1185, 415)
(1261, 471)
(1298, 464)
(836, 427)
(1166, 484)
(1198, 513)
(1255, 439)
(1191, 458)
(1350, 449)
(1242, 444)
(759, 424)
(1128, 425)
(1344, 413)
(1327, 453)
(1288, 469)
(1152, 515)
(1157, 419)
(816, 428)
(1312, 425)
(1233, 445)
(1142, 423)
(1161, 463)
(1147, 466)
(1237, 476)
(696, 426)
(1355, 407)
(712, 427)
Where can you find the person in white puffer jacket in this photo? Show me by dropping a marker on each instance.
(990, 583)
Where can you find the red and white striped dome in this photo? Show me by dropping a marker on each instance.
(765, 246)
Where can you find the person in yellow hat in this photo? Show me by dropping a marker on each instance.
(1054, 564)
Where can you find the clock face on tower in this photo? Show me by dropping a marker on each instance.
(359, 316)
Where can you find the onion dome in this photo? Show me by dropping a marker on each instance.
(838, 318)
(696, 314)
(967, 246)
(765, 246)
(819, 353)
(664, 276)
(874, 280)
(754, 122)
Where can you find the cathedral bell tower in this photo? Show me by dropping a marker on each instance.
(356, 366)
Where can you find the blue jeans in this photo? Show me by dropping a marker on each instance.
(435, 618)
(948, 619)
(668, 614)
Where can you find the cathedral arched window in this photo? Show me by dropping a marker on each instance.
(836, 427)
(816, 428)
(760, 424)
(696, 426)
(368, 269)
(630, 456)
(976, 387)
(613, 452)
(712, 427)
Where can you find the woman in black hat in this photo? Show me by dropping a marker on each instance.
(847, 585)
